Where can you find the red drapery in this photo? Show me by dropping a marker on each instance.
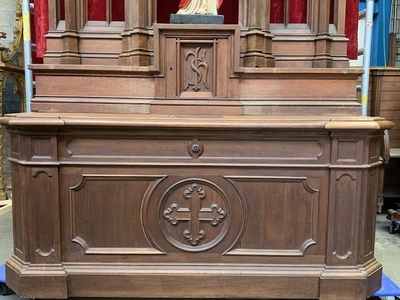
(118, 10)
(40, 26)
(351, 28)
(277, 11)
(298, 12)
(97, 10)
(229, 9)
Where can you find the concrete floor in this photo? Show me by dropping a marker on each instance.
(387, 247)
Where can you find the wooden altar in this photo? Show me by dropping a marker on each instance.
(195, 161)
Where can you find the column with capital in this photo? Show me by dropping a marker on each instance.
(140, 16)
(254, 19)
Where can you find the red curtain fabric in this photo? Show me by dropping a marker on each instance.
(351, 28)
(118, 10)
(40, 27)
(97, 10)
(298, 12)
(165, 8)
(277, 11)
(229, 9)
(298, 9)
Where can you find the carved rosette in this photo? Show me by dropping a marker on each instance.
(195, 148)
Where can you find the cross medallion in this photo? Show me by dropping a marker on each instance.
(194, 214)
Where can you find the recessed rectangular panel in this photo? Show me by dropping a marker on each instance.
(106, 214)
(282, 215)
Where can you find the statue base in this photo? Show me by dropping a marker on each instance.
(196, 19)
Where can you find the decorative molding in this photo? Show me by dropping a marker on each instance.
(88, 250)
(45, 253)
(345, 189)
(44, 224)
(314, 195)
(67, 149)
(273, 252)
(344, 256)
(37, 171)
(77, 235)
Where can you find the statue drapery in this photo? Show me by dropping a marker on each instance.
(202, 7)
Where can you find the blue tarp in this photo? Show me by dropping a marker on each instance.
(3, 273)
(389, 288)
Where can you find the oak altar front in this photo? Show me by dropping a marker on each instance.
(190, 161)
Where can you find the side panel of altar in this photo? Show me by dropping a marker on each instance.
(190, 161)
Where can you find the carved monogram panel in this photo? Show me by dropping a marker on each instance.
(198, 66)
(197, 72)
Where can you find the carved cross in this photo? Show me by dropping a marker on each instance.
(194, 214)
